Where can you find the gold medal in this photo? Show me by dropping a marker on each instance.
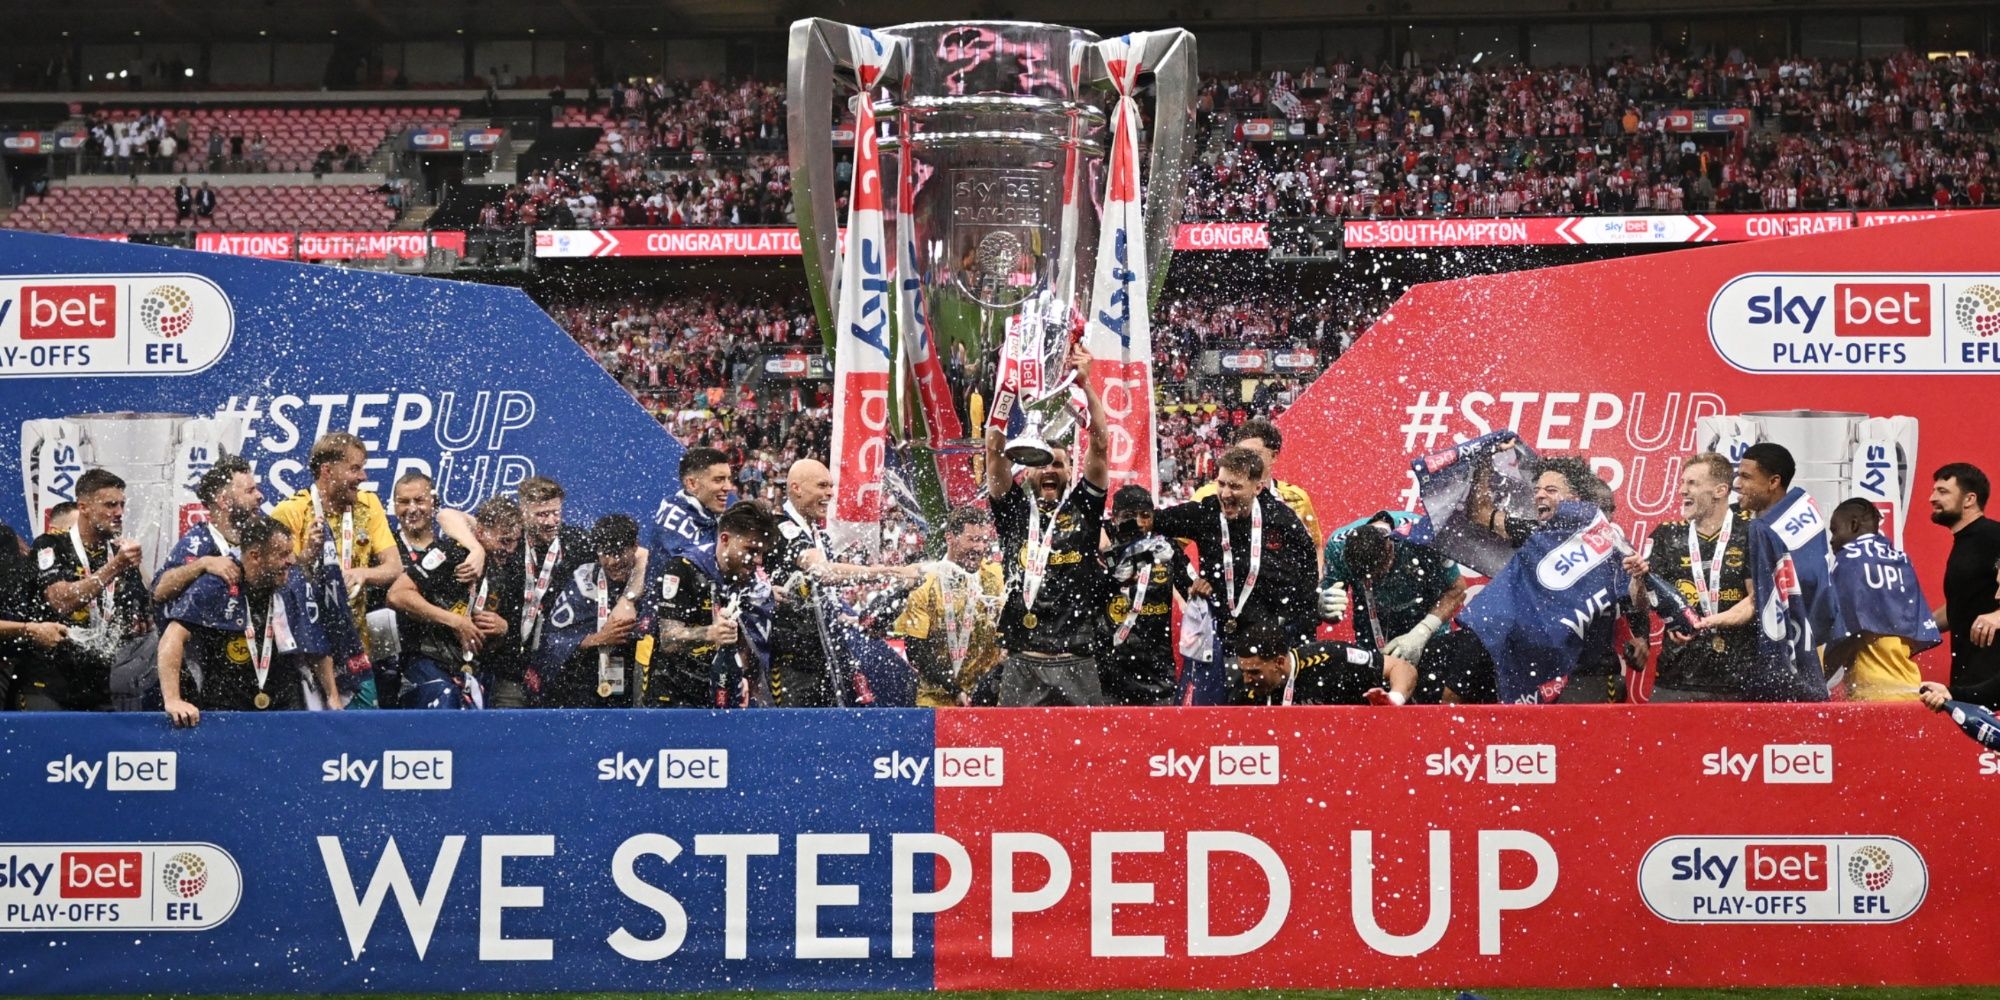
(1029, 620)
(1229, 626)
(1718, 645)
(262, 701)
(604, 689)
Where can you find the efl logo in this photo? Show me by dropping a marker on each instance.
(1243, 765)
(102, 874)
(69, 312)
(970, 767)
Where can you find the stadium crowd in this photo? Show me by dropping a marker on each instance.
(1427, 140)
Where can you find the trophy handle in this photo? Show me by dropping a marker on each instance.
(819, 49)
(1169, 55)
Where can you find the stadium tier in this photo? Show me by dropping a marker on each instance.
(277, 139)
(248, 208)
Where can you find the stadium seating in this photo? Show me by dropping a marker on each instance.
(293, 136)
(124, 209)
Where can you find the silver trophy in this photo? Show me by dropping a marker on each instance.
(992, 136)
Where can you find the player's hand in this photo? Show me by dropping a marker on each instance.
(46, 634)
(616, 632)
(469, 636)
(223, 567)
(1637, 567)
(1334, 602)
(128, 557)
(721, 632)
(1637, 650)
(182, 713)
(1200, 587)
(1984, 627)
(1933, 695)
(315, 540)
(471, 568)
(490, 625)
(1080, 359)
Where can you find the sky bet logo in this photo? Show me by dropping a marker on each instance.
(1229, 765)
(675, 768)
(949, 767)
(1502, 764)
(1716, 880)
(66, 312)
(1860, 309)
(60, 887)
(1781, 764)
(401, 770)
(122, 771)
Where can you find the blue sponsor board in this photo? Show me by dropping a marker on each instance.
(470, 383)
(532, 851)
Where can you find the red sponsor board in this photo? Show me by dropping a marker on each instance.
(1743, 329)
(1482, 847)
(69, 312)
(330, 246)
(1222, 236)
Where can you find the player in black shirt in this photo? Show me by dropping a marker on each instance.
(1049, 534)
(804, 672)
(1971, 611)
(87, 578)
(1276, 578)
(1270, 669)
(1717, 665)
(248, 644)
(551, 551)
(588, 656)
(1135, 656)
(714, 617)
(465, 640)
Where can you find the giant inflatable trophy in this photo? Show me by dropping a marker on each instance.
(998, 211)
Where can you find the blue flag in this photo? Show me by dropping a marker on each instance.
(1797, 607)
(1977, 722)
(681, 523)
(1557, 598)
(753, 606)
(211, 602)
(1877, 594)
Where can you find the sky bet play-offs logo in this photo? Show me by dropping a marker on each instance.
(1855, 324)
(117, 887)
(112, 324)
(1783, 880)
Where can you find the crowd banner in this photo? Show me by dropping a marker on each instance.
(1360, 234)
(152, 361)
(1638, 363)
(331, 246)
(1689, 846)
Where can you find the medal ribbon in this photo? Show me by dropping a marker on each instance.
(961, 618)
(1708, 583)
(106, 603)
(1035, 566)
(538, 584)
(1142, 578)
(1291, 677)
(260, 650)
(1374, 620)
(475, 603)
(344, 555)
(603, 595)
(1238, 601)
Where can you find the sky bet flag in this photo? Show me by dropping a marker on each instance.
(1795, 599)
(861, 325)
(1118, 331)
(1549, 603)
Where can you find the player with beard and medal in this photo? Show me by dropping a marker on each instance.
(551, 551)
(465, 638)
(1049, 530)
(1704, 556)
(687, 519)
(1257, 557)
(249, 644)
(335, 523)
(230, 497)
(1270, 669)
(805, 673)
(1135, 653)
(87, 578)
(1971, 610)
(949, 624)
(588, 656)
(714, 616)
